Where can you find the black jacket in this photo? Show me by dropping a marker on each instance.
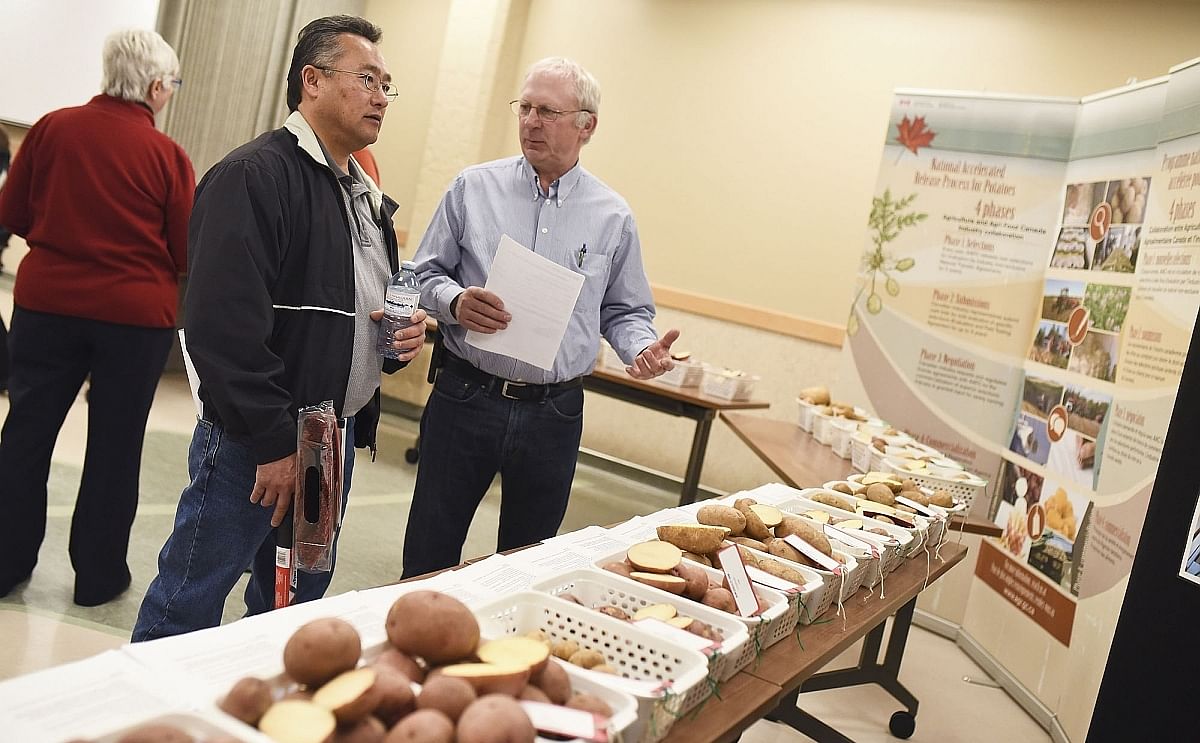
(270, 299)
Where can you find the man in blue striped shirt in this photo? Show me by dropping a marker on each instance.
(490, 413)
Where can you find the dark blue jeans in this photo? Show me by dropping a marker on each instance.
(218, 534)
(468, 435)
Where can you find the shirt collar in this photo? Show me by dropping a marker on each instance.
(312, 146)
(559, 189)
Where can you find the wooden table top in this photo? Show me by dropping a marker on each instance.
(690, 395)
(803, 462)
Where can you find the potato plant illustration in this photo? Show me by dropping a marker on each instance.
(888, 219)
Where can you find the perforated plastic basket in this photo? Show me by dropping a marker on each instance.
(860, 454)
(963, 491)
(595, 588)
(822, 429)
(807, 411)
(890, 556)
(728, 387)
(684, 374)
(667, 680)
(840, 435)
(777, 620)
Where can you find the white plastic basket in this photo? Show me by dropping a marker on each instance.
(964, 492)
(595, 588)
(822, 429)
(718, 383)
(668, 680)
(777, 620)
(684, 374)
(835, 587)
(891, 556)
(840, 435)
(911, 540)
(860, 454)
(807, 411)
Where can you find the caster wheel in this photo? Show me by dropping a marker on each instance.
(412, 455)
(902, 724)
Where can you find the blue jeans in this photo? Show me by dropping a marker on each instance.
(469, 434)
(218, 534)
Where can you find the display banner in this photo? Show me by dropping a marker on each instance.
(1026, 302)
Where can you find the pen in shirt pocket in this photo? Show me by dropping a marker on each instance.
(582, 253)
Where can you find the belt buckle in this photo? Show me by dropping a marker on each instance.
(504, 389)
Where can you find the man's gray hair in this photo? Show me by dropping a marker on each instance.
(133, 59)
(587, 90)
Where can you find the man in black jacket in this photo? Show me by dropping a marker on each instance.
(290, 250)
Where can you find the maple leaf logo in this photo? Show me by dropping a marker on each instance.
(913, 133)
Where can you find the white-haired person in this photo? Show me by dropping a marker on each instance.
(489, 413)
(102, 199)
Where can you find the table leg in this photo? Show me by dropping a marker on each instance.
(797, 719)
(691, 478)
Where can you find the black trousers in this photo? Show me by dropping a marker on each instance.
(51, 355)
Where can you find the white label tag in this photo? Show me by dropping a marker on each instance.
(739, 581)
(671, 633)
(763, 578)
(812, 553)
(899, 519)
(919, 508)
(573, 723)
(283, 557)
(847, 538)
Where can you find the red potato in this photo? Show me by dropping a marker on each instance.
(447, 695)
(366, 730)
(495, 718)
(432, 626)
(554, 681)
(396, 697)
(620, 568)
(670, 583)
(697, 579)
(247, 700)
(402, 662)
(320, 650)
(350, 696)
(422, 726)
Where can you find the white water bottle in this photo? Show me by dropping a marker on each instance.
(401, 301)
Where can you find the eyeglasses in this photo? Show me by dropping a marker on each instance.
(545, 113)
(176, 82)
(370, 82)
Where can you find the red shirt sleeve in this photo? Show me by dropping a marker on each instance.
(14, 196)
(179, 210)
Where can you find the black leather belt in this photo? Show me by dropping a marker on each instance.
(505, 388)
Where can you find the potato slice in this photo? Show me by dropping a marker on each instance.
(350, 696)
(655, 556)
(489, 678)
(697, 538)
(668, 583)
(770, 515)
(664, 612)
(295, 721)
(515, 651)
(850, 524)
(821, 517)
(680, 622)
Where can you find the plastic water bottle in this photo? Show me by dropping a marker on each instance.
(401, 301)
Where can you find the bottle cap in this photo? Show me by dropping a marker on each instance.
(410, 265)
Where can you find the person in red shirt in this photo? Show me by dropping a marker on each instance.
(102, 199)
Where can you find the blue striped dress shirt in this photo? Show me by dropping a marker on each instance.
(581, 224)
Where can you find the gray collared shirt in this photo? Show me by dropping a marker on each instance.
(362, 201)
(581, 224)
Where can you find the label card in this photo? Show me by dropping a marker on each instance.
(825, 561)
(900, 519)
(573, 723)
(763, 578)
(739, 582)
(923, 510)
(851, 539)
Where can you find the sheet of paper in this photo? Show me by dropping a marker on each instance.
(93, 697)
(550, 559)
(539, 294)
(593, 541)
